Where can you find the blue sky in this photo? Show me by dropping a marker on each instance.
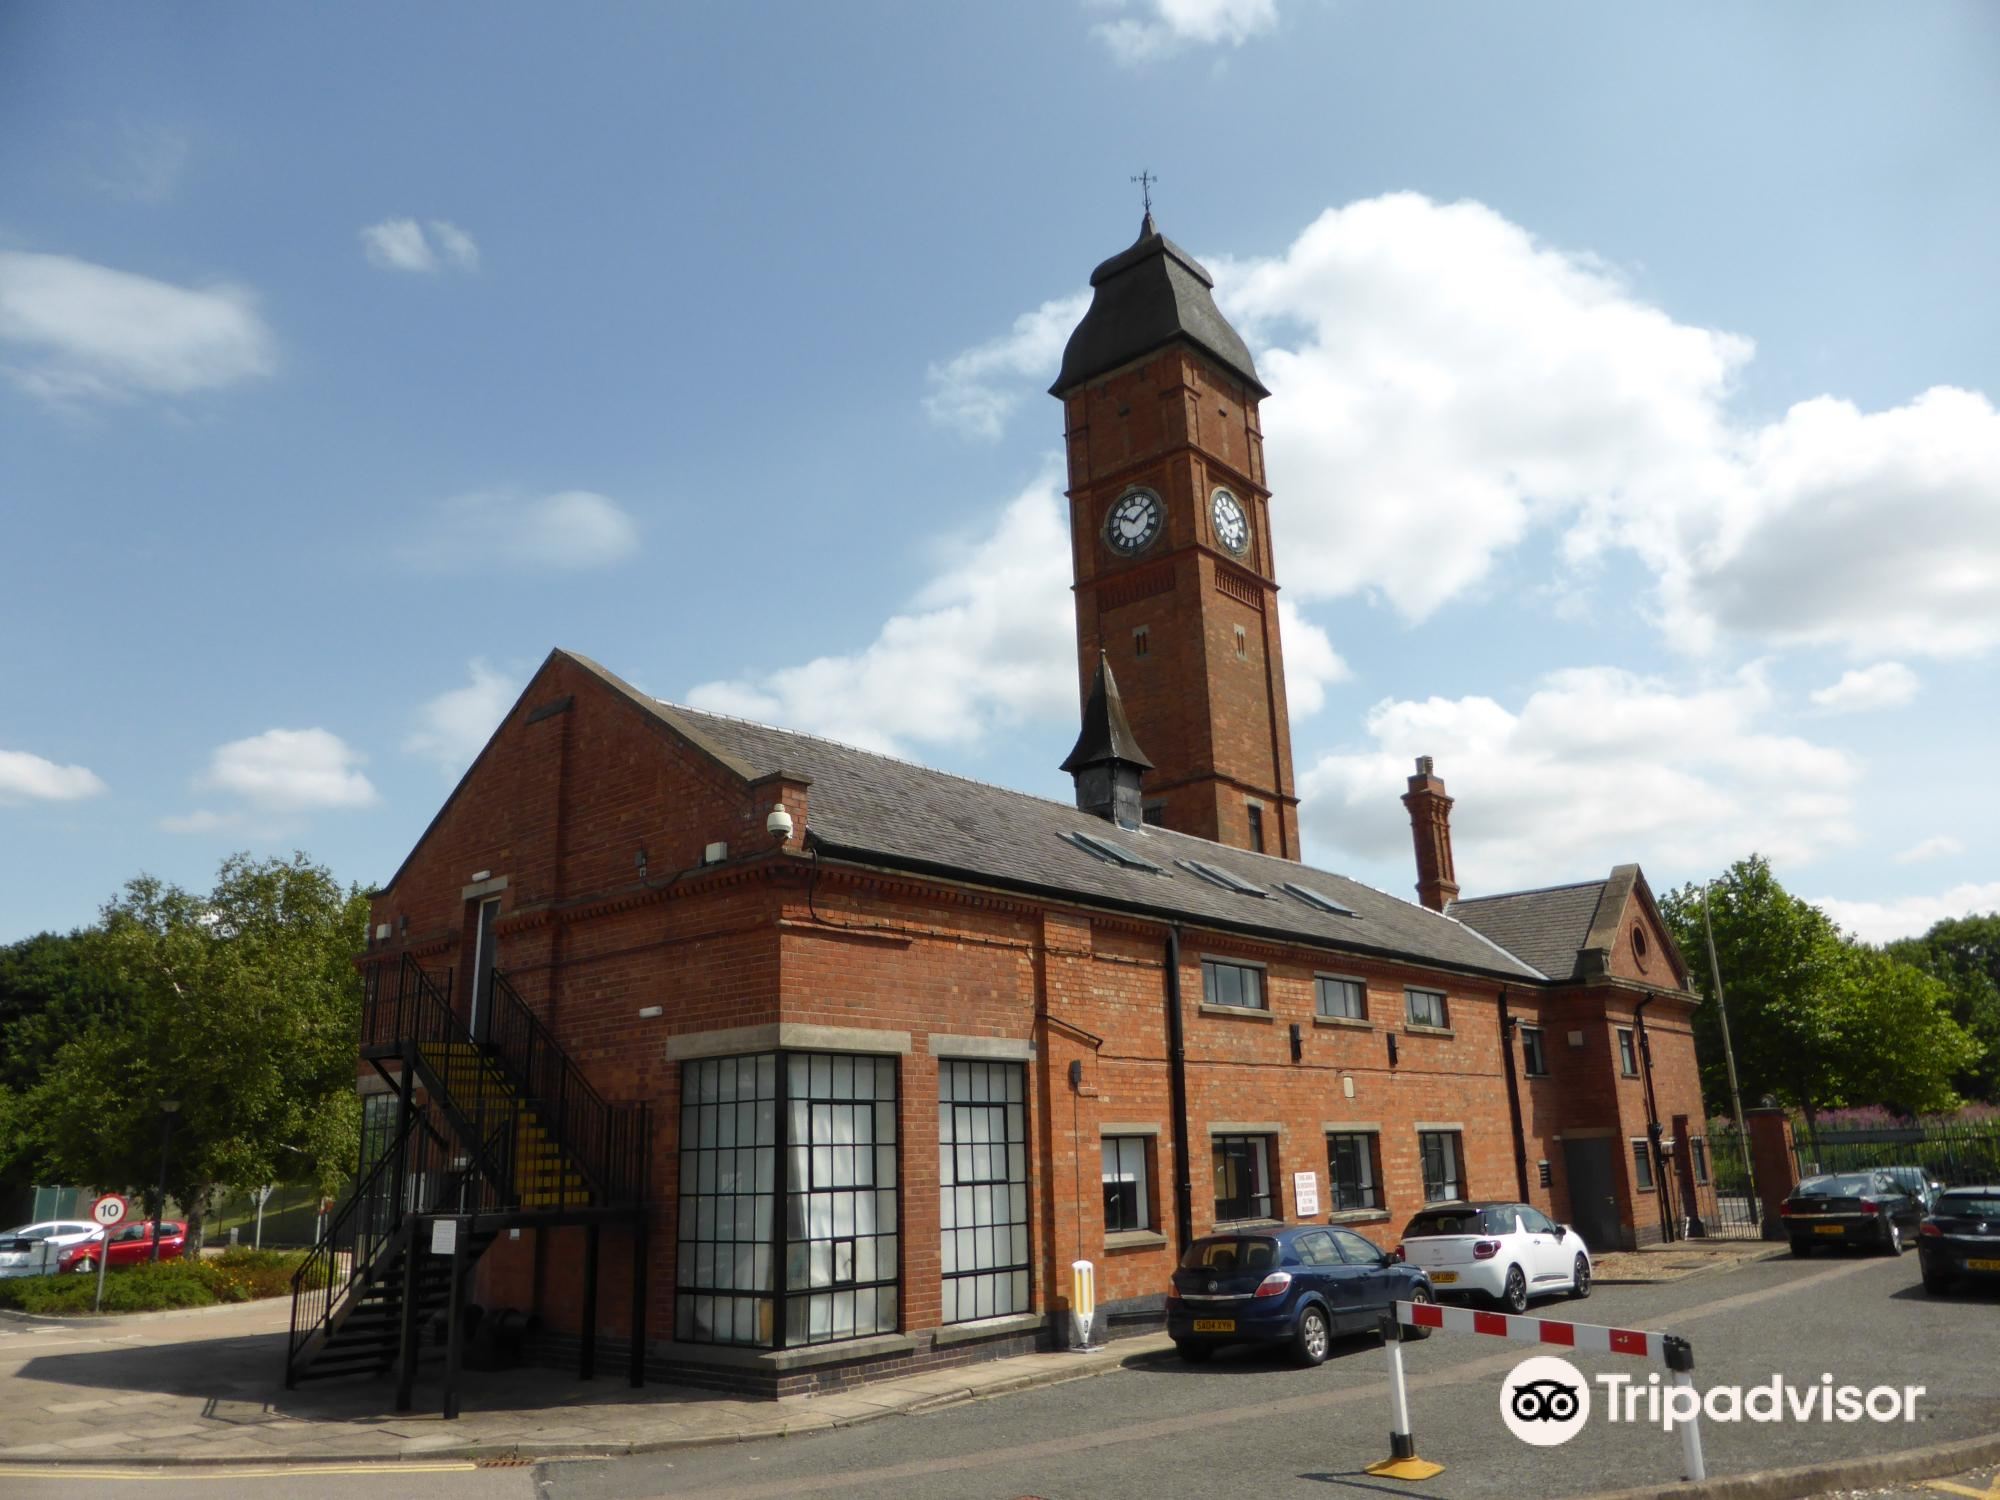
(1631, 434)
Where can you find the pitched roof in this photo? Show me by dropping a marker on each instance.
(1550, 928)
(1106, 734)
(1144, 298)
(878, 810)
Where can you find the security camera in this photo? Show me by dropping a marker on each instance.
(779, 824)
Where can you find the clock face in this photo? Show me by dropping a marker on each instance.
(1232, 528)
(1134, 521)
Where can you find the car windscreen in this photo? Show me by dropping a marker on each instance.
(1231, 1254)
(1842, 1185)
(1969, 1206)
(1449, 1221)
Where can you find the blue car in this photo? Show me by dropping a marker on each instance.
(1302, 1285)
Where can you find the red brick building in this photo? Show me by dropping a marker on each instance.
(809, 1064)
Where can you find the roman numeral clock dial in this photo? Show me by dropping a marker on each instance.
(1232, 527)
(1133, 522)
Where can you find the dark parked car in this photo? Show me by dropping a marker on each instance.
(1850, 1208)
(1915, 1181)
(1960, 1238)
(1304, 1285)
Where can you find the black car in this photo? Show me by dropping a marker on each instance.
(1850, 1208)
(1960, 1238)
(1304, 1285)
(1918, 1183)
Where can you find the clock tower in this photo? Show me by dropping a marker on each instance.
(1170, 539)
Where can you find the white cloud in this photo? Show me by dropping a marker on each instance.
(290, 770)
(1444, 385)
(80, 330)
(1887, 684)
(406, 245)
(1165, 26)
(454, 726)
(1910, 916)
(990, 641)
(1596, 764)
(1311, 663)
(25, 777)
(570, 530)
(1938, 846)
(977, 391)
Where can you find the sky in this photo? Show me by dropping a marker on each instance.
(1632, 429)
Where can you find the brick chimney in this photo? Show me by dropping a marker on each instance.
(1430, 826)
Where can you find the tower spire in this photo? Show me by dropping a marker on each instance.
(1106, 760)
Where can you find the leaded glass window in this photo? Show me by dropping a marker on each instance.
(983, 1189)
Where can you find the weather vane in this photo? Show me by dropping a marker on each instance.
(1146, 181)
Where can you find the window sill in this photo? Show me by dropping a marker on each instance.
(1240, 1012)
(1543, 1074)
(1134, 1239)
(986, 1328)
(1234, 1226)
(1351, 1023)
(1358, 1216)
(1417, 1028)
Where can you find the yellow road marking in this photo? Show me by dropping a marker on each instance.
(1962, 1489)
(233, 1471)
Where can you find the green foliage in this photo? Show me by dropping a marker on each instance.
(233, 1276)
(1964, 953)
(52, 986)
(1819, 1020)
(242, 1006)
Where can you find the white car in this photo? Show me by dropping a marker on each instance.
(1505, 1252)
(34, 1249)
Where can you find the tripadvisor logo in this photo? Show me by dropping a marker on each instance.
(1546, 1401)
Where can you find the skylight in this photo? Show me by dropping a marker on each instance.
(1222, 878)
(1314, 898)
(1110, 853)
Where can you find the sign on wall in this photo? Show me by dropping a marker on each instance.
(1305, 1192)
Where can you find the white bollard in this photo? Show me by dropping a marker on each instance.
(1692, 1467)
(1082, 1303)
(1402, 1462)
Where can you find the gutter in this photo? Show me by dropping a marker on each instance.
(1508, 1024)
(1653, 1130)
(1177, 1081)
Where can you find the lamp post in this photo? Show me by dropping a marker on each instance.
(168, 1109)
(1728, 1052)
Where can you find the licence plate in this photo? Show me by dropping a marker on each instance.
(1828, 1229)
(1982, 1265)
(1215, 1325)
(1444, 1278)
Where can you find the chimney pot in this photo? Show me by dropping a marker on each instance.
(1430, 828)
(1423, 765)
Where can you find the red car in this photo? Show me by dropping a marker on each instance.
(130, 1244)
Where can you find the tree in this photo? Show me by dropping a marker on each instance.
(52, 986)
(1964, 952)
(244, 1007)
(1819, 1021)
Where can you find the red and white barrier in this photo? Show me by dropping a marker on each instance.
(1668, 1349)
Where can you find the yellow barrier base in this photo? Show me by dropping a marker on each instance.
(1405, 1468)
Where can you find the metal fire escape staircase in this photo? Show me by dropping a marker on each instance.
(506, 1134)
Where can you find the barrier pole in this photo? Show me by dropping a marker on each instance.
(1680, 1360)
(1402, 1462)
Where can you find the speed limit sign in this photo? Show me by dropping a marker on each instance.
(108, 1210)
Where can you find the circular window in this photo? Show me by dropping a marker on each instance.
(1639, 945)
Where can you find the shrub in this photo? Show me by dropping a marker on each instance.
(234, 1276)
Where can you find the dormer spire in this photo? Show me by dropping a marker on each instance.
(1107, 761)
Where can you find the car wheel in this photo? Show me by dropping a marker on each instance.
(1892, 1238)
(1579, 1286)
(1801, 1249)
(85, 1266)
(1515, 1297)
(1193, 1353)
(1313, 1337)
(1935, 1284)
(1418, 1293)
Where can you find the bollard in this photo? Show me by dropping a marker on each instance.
(1082, 1303)
(1402, 1462)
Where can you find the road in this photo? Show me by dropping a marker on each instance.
(1249, 1424)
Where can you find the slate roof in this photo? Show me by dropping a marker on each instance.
(878, 810)
(1144, 298)
(1549, 928)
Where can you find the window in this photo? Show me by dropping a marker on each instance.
(1351, 1173)
(810, 1136)
(1340, 999)
(1155, 814)
(1236, 985)
(1242, 1177)
(1628, 1056)
(1125, 1199)
(1443, 1180)
(1426, 1008)
(1242, 644)
(1142, 644)
(1698, 1152)
(1215, 875)
(983, 1189)
(1534, 1220)
(1534, 1057)
(1315, 899)
(1316, 1249)
(1642, 1167)
(1256, 830)
(1354, 1249)
(1111, 854)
